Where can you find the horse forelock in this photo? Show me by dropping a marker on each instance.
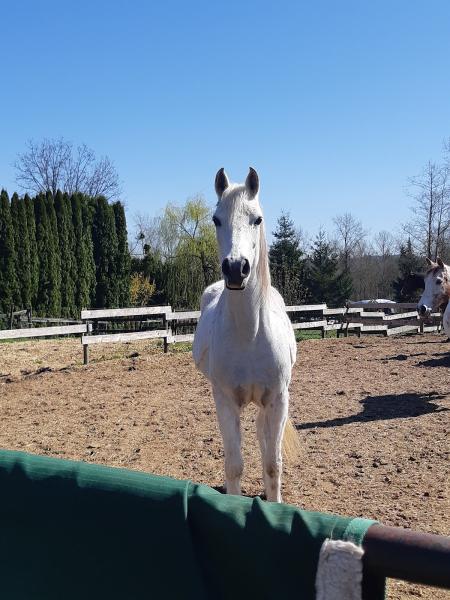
(234, 193)
(435, 269)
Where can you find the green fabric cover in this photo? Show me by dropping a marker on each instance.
(71, 530)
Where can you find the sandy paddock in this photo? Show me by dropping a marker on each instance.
(372, 416)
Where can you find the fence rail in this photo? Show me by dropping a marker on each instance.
(152, 322)
(13, 334)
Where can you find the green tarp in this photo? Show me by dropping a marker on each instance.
(71, 530)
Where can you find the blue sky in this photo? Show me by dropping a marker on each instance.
(334, 103)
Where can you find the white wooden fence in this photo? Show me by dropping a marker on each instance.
(113, 325)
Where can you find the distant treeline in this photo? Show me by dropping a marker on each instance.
(61, 253)
(176, 257)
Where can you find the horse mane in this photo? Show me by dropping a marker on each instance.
(262, 268)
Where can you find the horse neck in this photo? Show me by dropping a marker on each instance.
(245, 309)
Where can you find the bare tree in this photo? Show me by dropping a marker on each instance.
(431, 222)
(349, 235)
(386, 263)
(55, 164)
(384, 244)
(304, 240)
(362, 269)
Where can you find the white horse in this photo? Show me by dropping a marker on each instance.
(437, 292)
(244, 343)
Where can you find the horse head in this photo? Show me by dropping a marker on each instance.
(437, 287)
(240, 232)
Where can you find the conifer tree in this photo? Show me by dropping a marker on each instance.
(88, 211)
(82, 295)
(66, 253)
(54, 259)
(325, 282)
(22, 245)
(8, 276)
(48, 258)
(15, 220)
(123, 260)
(83, 252)
(42, 303)
(34, 258)
(72, 308)
(286, 262)
(408, 264)
(104, 239)
(344, 288)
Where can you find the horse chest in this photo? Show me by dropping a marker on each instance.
(259, 362)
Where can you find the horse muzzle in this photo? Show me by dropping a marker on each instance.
(235, 273)
(424, 311)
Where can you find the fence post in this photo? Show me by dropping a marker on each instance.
(11, 316)
(86, 354)
(168, 333)
(86, 346)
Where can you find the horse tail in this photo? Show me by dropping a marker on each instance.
(291, 443)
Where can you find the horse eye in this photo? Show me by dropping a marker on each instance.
(216, 222)
(438, 281)
(258, 221)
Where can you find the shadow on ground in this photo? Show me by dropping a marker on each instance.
(401, 356)
(442, 360)
(381, 408)
(439, 341)
(222, 490)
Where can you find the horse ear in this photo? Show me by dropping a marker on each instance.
(252, 183)
(221, 183)
(440, 262)
(429, 261)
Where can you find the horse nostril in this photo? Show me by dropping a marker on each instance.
(245, 267)
(226, 267)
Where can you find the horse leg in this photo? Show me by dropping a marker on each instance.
(228, 416)
(260, 420)
(276, 412)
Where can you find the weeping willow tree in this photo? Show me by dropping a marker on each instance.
(194, 263)
(181, 253)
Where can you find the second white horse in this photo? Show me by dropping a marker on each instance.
(436, 292)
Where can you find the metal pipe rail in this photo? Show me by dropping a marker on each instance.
(398, 553)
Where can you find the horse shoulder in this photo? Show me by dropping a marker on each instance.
(280, 308)
(211, 293)
(200, 347)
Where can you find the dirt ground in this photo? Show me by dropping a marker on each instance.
(371, 413)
